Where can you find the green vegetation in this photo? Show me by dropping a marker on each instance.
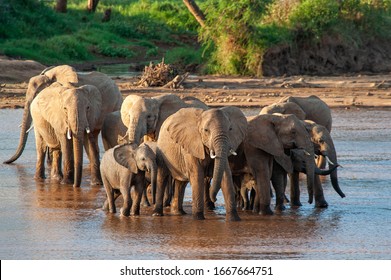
(236, 36)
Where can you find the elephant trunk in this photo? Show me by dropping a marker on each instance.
(24, 131)
(220, 164)
(324, 172)
(153, 172)
(136, 130)
(78, 158)
(310, 168)
(332, 159)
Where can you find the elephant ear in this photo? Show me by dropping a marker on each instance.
(64, 74)
(285, 162)
(94, 97)
(262, 134)
(126, 106)
(238, 124)
(50, 105)
(183, 129)
(125, 155)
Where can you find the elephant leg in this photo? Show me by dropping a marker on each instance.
(228, 189)
(41, 151)
(163, 178)
(144, 198)
(244, 197)
(320, 201)
(209, 204)
(279, 183)
(109, 204)
(55, 171)
(168, 193)
(295, 189)
(93, 152)
(197, 188)
(139, 190)
(179, 194)
(127, 203)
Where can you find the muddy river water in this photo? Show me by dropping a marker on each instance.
(43, 220)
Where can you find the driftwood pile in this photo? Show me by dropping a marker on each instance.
(161, 75)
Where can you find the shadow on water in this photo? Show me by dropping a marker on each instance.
(47, 220)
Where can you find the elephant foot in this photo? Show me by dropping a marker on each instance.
(145, 204)
(56, 177)
(39, 177)
(265, 210)
(124, 212)
(296, 203)
(135, 213)
(180, 212)
(158, 211)
(280, 207)
(66, 181)
(199, 216)
(321, 204)
(210, 205)
(232, 217)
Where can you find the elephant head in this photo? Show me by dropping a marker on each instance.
(216, 133)
(324, 146)
(82, 109)
(144, 116)
(276, 133)
(284, 108)
(63, 74)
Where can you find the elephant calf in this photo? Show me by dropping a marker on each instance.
(121, 168)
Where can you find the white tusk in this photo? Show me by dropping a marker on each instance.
(232, 152)
(306, 153)
(329, 161)
(31, 127)
(212, 154)
(20, 125)
(69, 136)
(88, 129)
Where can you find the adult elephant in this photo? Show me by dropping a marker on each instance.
(305, 108)
(268, 137)
(61, 114)
(67, 76)
(145, 115)
(186, 139)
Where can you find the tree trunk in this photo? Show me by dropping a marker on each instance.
(61, 6)
(195, 11)
(91, 5)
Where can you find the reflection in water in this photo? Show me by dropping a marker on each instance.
(47, 220)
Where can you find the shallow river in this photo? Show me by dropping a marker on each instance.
(50, 221)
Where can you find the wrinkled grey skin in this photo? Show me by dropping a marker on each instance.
(267, 139)
(125, 166)
(65, 118)
(143, 116)
(190, 141)
(67, 76)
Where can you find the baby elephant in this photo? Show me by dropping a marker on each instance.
(122, 168)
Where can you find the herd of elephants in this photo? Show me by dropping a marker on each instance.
(162, 143)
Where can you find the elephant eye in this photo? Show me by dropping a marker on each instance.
(206, 130)
(230, 129)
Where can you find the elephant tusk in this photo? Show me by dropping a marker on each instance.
(212, 154)
(329, 161)
(332, 163)
(232, 152)
(88, 130)
(306, 153)
(31, 127)
(69, 136)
